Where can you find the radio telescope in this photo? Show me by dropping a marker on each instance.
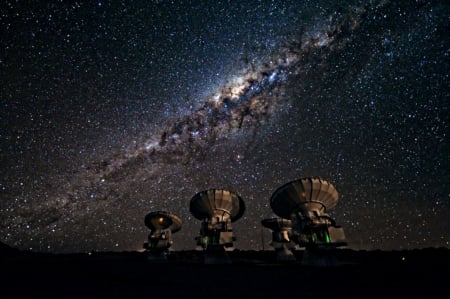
(162, 225)
(217, 209)
(306, 202)
(281, 240)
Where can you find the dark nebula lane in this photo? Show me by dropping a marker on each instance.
(247, 101)
(355, 93)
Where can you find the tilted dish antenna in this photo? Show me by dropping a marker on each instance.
(162, 225)
(306, 202)
(217, 209)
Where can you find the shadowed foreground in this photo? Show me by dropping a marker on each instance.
(356, 274)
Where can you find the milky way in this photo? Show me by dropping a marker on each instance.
(247, 101)
(316, 102)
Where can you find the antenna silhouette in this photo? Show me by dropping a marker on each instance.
(306, 203)
(162, 225)
(217, 209)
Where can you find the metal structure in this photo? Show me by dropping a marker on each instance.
(306, 202)
(281, 237)
(217, 209)
(162, 225)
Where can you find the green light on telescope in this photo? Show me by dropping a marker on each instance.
(327, 238)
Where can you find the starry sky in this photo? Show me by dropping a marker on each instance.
(111, 110)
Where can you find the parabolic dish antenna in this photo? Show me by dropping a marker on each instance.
(306, 202)
(162, 225)
(312, 194)
(216, 209)
(219, 204)
(162, 220)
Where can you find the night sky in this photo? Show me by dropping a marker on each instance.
(112, 110)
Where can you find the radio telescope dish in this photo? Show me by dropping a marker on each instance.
(221, 204)
(311, 194)
(217, 209)
(160, 220)
(162, 225)
(306, 202)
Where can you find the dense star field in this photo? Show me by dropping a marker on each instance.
(112, 110)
